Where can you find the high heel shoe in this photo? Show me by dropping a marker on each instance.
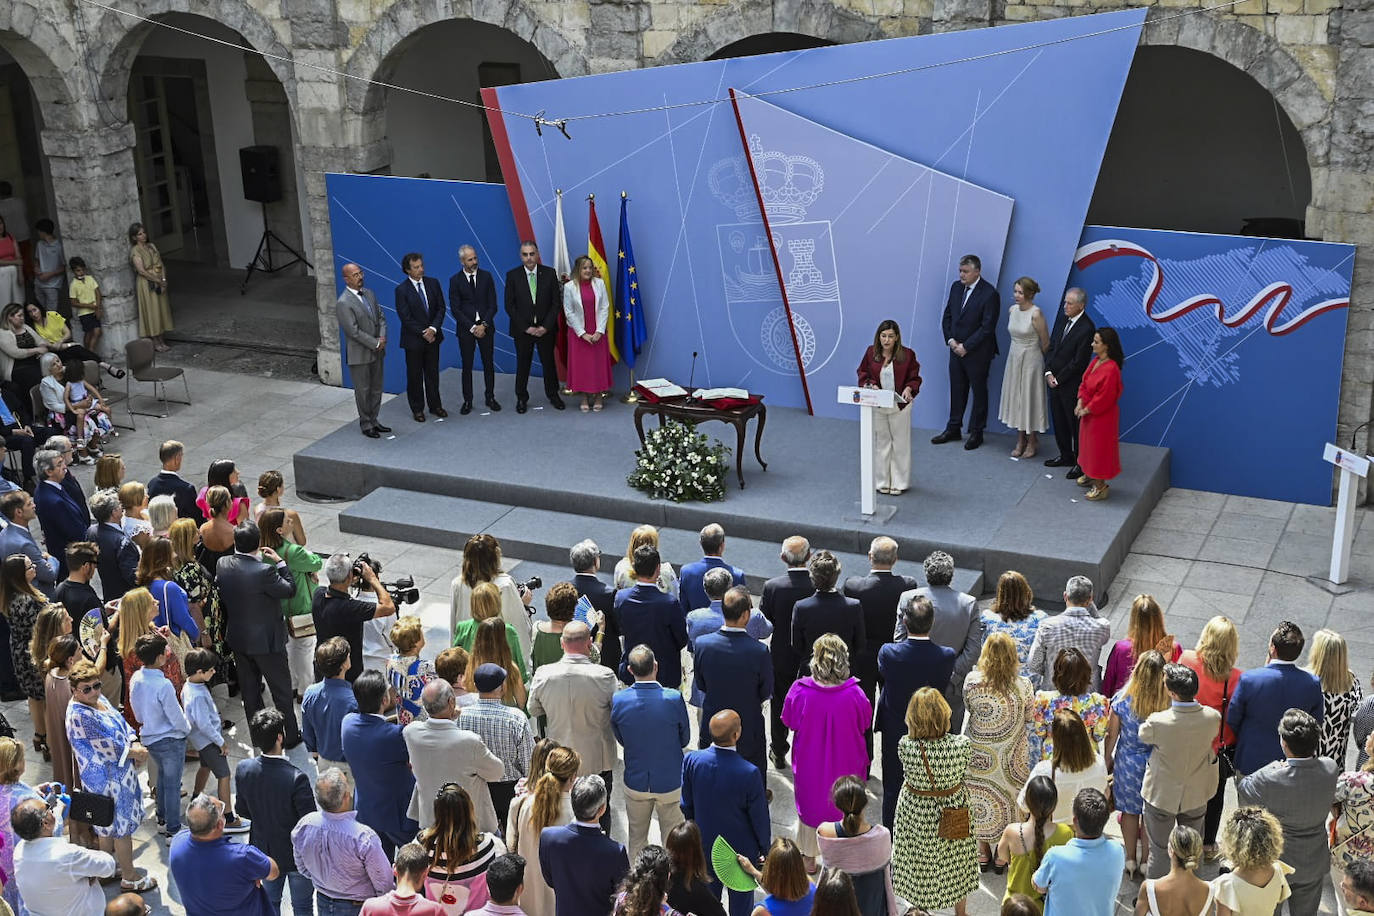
(40, 744)
(999, 867)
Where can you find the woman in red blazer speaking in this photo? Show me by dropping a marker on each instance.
(888, 364)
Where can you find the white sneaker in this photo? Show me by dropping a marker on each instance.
(237, 825)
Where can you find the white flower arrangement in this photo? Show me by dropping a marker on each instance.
(681, 464)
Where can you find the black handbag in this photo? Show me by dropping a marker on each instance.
(89, 808)
(1226, 753)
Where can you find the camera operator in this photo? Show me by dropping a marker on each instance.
(338, 613)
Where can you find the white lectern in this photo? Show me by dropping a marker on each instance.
(866, 399)
(1352, 467)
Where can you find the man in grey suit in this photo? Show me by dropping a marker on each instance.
(441, 753)
(1298, 791)
(364, 330)
(958, 626)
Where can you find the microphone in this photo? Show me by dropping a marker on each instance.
(693, 375)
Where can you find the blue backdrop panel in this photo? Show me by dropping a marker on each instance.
(1233, 352)
(1022, 110)
(375, 220)
(830, 203)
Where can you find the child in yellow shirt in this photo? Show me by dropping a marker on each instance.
(86, 301)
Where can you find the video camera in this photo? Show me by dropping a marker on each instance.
(402, 590)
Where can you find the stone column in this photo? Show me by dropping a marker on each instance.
(96, 191)
(955, 15)
(613, 34)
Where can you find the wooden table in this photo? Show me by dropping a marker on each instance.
(689, 411)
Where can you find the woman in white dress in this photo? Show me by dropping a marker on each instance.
(482, 563)
(1023, 381)
(624, 576)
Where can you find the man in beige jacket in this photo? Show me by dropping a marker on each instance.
(441, 752)
(1181, 775)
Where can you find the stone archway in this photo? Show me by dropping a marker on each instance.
(814, 19)
(769, 43)
(53, 67)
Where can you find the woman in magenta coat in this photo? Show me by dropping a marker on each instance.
(829, 714)
(1099, 446)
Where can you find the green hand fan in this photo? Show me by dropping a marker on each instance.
(727, 867)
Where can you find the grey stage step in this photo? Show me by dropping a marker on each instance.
(543, 536)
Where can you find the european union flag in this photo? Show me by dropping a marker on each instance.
(630, 329)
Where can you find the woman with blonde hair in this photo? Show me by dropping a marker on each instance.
(1023, 379)
(1126, 756)
(1145, 631)
(999, 702)
(486, 605)
(586, 309)
(459, 853)
(1014, 613)
(109, 471)
(1252, 841)
(492, 645)
(407, 672)
(270, 487)
(928, 870)
(548, 804)
(12, 792)
(828, 714)
(21, 603)
(482, 563)
(1181, 890)
(137, 611)
(1329, 662)
(133, 497)
(624, 576)
(1074, 766)
(202, 597)
(1213, 661)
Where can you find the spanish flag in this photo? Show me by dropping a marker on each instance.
(596, 250)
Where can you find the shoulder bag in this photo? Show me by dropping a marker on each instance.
(1226, 753)
(955, 823)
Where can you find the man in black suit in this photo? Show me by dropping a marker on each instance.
(780, 596)
(169, 482)
(1071, 347)
(274, 795)
(420, 307)
(472, 295)
(970, 329)
(533, 300)
(118, 562)
(877, 593)
(585, 557)
(251, 591)
(826, 611)
(651, 618)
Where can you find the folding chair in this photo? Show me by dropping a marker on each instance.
(141, 366)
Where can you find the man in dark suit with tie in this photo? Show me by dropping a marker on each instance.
(472, 295)
(534, 300)
(62, 519)
(585, 557)
(904, 668)
(877, 594)
(377, 755)
(734, 671)
(651, 618)
(18, 510)
(724, 793)
(364, 331)
(274, 795)
(970, 331)
(1071, 347)
(420, 307)
(582, 865)
(169, 481)
(780, 595)
(118, 562)
(827, 611)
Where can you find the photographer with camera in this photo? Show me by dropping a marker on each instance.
(337, 613)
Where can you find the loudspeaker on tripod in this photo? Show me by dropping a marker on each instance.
(261, 167)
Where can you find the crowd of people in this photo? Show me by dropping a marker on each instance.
(476, 775)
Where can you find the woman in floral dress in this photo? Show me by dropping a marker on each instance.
(999, 703)
(1143, 696)
(407, 671)
(1353, 837)
(1073, 676)
(1013, 612)
(204, 596)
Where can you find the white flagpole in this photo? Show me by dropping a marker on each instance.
(562, 262)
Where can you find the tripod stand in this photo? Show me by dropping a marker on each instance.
(262, 260)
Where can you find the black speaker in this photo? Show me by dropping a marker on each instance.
(261, 168)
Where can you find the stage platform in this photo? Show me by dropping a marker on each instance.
(542, 480)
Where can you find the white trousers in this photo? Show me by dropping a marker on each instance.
(11, 285)
(300, 657)
(892, 448)
(808, 843)
(639, 810)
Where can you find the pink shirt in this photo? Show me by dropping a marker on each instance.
(394, 904)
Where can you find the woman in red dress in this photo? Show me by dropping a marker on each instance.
(587, 311)
(1099, 447)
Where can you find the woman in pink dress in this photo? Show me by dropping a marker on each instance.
(588, 313)
(828, 713)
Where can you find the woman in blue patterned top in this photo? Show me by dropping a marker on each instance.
(1013, 612)
(1143, 696)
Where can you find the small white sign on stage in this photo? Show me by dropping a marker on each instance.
(866, 399)
(1353, 467)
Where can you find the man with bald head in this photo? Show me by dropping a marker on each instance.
(441, 752)
(724, 794)
(364, 329)
(878, 594)
(780, 595)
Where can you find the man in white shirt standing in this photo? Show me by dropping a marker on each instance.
(56, 877)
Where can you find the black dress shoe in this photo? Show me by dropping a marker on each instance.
(557, 403)
(440, 413)
(466, 408)
(779, 760)
(974, 440)
(949, 435)
(493, 406)
(419, 416)
(1074, 473)
(521, 406)
(1058, 461)
(372, 434)
(382, 429)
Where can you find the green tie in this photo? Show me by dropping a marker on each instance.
(531, 277)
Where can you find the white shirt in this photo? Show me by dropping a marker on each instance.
(55, 877)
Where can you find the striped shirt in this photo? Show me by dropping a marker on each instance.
(505, 731)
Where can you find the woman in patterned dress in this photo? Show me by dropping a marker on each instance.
(999, 703)
(107, 752)
(1354, 829)
(1073, 676)
(1143, 696)
(1013, 612)
(929, 872)
(407, 671)
(1329, 663)
(20, 602)
(203, 596)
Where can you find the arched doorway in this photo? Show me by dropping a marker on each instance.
(1199, 145)
(769, 43)
(25, 185)
(456, 59)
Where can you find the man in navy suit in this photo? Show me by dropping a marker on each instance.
(585, 558)
(970, 331)
(827, 611)
(651, 618)
(735, 671)
(582, 865)
(877, 594)
(1071, 347)
(691, 593)
(534, 300)
(724, 794)
(18, 509)
(377, 755)
(274, 795)
(904, 668)
(420, 307)
(472, 295)
(61, 517)
(69, 482)
(1263, 695)
(118, 563)
(780, 596)
(169, 482)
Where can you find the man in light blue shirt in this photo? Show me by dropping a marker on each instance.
(326, 703)
(1082, 877)
(163, 727)
(650, 722)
